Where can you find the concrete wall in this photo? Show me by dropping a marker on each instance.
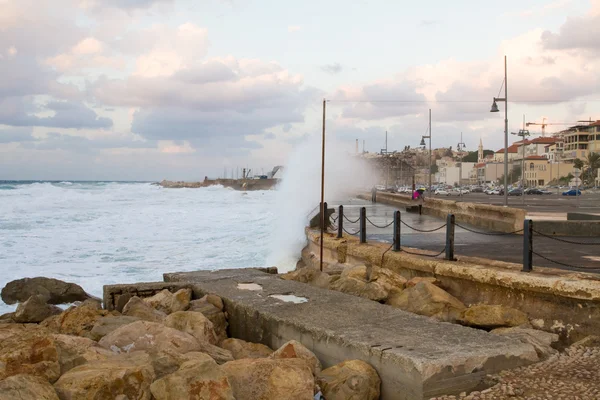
(568, 228)
(556, 301)
(494, 218)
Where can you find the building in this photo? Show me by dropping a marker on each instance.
(579, 140)
(534, 147)
(512, 153)
(540, 172)
(491, 172)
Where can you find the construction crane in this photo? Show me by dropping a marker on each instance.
(543, 124)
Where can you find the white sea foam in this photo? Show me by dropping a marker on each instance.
(102, 233)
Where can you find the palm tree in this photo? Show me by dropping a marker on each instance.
(592, 163)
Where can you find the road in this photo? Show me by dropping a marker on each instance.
(543, 204)
(503, 248)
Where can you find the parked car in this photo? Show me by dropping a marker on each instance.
(546, 191)
(516, 192)
(477, 190)
(533, 191)
(494, 191)
(572, 192)
(441, 192)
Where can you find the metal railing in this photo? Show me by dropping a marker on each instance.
(450, 225)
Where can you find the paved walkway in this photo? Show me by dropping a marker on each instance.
(504, 248)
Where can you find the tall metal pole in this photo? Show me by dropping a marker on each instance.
(323, 211)
(505, 135)
(523, 166)
(430, 151)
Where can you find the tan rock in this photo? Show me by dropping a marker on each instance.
(144, 335)
(215, 301)
(241, 349)
(214, 315)
(76, 350)
(427, 299)
(200, 379)
(269, 379)
(413, 281)
(28, 349)
(540, 340)
(355, 271)
(356, 287)
(294, 349)
(193, 323)
(168, 302)
(106, 325)
(492, 316)
(167, 361)
(587, 342)
(75, 320)
(129, 375)
(26, 387)
(350, 380)
(35, 310)
(53, 290)
(392, 282)
(138, 308)
(304, 275)
(7, 318)
(220, 355)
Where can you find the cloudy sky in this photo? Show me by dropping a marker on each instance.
(180, 89)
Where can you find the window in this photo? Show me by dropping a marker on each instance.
(531, 166)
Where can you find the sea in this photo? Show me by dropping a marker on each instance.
(98, 233)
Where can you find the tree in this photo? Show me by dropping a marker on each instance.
(577, 163)
(592, 163)
(434, 169)
(473, 155)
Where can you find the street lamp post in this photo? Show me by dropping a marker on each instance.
(495, 109)
(423, 144)
(460, 147)
(523, 133)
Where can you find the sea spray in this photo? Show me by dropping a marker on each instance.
(299, 194)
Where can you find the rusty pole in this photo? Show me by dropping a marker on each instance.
(323, 211)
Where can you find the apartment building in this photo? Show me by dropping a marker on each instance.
(579, 140)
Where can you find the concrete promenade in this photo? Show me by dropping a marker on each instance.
(503, 248)
(415, 356)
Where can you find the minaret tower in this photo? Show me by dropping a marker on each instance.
(480, 152)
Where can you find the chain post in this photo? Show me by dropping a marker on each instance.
(340, 222)
(528, 246)
(450, 221)
(326, 220)
(363, 225)
(397, 226)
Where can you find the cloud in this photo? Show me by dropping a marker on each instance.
(15, 134)
(429, 22)
(20, 112)
(294, 28)
(124, 4)
(269, 136)
(334, 68)
(577, 33)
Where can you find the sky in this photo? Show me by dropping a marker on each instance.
(182, 89)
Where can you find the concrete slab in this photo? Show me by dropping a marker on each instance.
(416, 357)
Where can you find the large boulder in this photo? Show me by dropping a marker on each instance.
(294, 349)
(200, 379)
(26, 387)
(304, 275)
(350, 380)
(413, 281)
(193, 323)
(129, 375)
(492, 316)
(355, 271)
(28, 349)
(138, 308)
(76, 350)
(241, 349)
(220, 355)
(540, 340)
(52, 290)
(168, 302)
(106, 325)
(427, 299)
(77, 321)
(7, 318)
(144, 335)
(35, 310)
(214, 313)
(268, 379)
(166, 362)
(356, 287)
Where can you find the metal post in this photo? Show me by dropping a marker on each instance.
(363, 225)
(397, 226)
(430, 151)
(528, 246)
(326, 219)
(322, 190)
(505, 135)
(340, 222)
(450, 237)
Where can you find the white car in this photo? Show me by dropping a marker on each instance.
(441, 192)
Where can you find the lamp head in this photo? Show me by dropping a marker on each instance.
(494, 107)
(422, 141)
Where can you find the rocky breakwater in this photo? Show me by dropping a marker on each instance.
(165, 347)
